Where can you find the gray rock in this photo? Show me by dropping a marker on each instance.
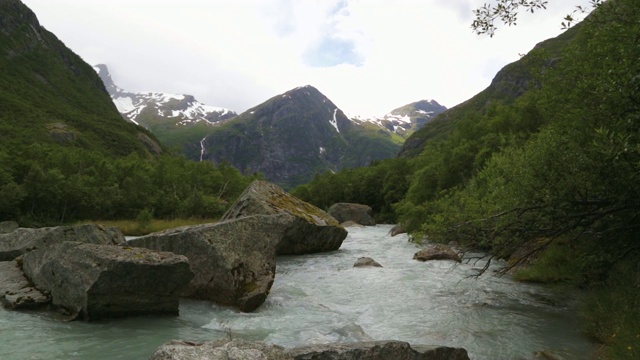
(310, 230)
(92, 282)
(397, 230)
(252, 350)
(358, 213)
(219, 350)
(377, 350)
(437, 252)
(366, 261)
(234, 260)
(348, 224)
(16, 292)
(23, 240)
(8, 226)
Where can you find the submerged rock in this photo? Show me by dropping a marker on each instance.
(16, 292)
(92, 282)
(22, 240)
(366, 261)
(310, 229)
(234, 261)
(358, 213)
(437, 252)
(224, 349)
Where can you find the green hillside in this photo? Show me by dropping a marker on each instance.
(66, 154)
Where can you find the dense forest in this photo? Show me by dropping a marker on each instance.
(548, 180)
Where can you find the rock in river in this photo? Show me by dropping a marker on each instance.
(235, 349)
(234, 260)
(253, 350)
(437, 252)
(358, 213)
(366, 261)
(92, 282)
(377, 350)
(310, 230)
(23, 240)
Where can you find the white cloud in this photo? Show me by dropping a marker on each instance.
(368, 56)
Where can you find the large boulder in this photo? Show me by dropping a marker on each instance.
(92, 282)
(397, 230)
(23, 240)
(310, 230)
(377, 350)
(358, 213)
(437, 252)
(223, 349)
(234, 260)
(16, 292)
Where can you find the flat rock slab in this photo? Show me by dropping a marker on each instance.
(234, 261)
(16, 292)
(22, 240)
(236, 349)
(310, 229)
(92, 281)
(8, 226)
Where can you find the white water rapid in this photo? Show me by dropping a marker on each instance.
(322, 298)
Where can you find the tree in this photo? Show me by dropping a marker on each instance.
(506, 11)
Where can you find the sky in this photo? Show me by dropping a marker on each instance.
(368, 56)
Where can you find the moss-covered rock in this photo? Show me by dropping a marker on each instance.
(310, 229)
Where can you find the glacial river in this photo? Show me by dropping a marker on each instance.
(322, 298)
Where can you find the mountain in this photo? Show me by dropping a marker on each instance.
(177, 120)
(293, 136)
(511, 82)
(405, 120)
(50, 96)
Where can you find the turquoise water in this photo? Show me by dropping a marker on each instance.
(322, 298)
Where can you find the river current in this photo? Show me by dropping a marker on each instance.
(323, 298)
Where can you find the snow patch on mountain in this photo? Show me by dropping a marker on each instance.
(185, 109)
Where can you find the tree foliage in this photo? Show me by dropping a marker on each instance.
(506, 12)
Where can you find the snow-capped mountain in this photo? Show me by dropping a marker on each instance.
(406, 119)
(142, 107)
(176, 120)
(295, 135)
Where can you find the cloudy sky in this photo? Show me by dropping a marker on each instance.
(367, 56)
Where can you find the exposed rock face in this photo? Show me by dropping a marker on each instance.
(310, 229)
(16, 292)
(437, 252)
(366, 261)
(23, 240)
(219, 350)
(234, 261)
(92, 282)
(357, 213)
(377, 350)
(7, 226)
(241, 349)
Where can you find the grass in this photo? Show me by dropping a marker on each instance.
(611, 314)
(137, 228)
